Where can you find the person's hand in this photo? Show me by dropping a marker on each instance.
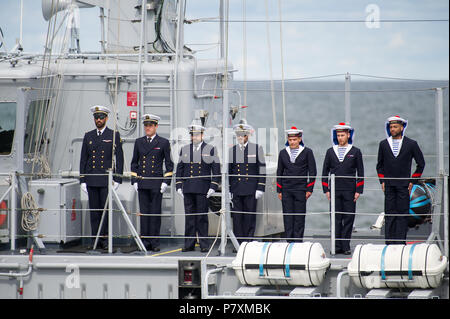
(163, 187)
(410, 187)
(280, 196)
(135, 185)
(259, 194)
(382, 187)
(308, 195)
(180, 192)
(115, 185)
(210, 192)
(328, 196)
(84, 187)
(356, 197)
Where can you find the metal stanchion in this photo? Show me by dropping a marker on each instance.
(333, 215)
(110, 210)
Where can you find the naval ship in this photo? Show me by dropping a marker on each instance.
(144, 66)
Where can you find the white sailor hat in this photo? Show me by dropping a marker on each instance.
(99, 109)
(196, 127)
(294, 131)
(150, 118)
(342, 127)
(395, 119)
(242, 127)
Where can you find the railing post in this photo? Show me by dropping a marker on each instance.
(440, 168)
(110, 210)
(333, 215)
(13, 222)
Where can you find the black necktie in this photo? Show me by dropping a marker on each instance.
(99, 133)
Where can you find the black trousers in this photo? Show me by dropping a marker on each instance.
(244, 224)
(97, 199)
(294, 212)
(196, 219)
(344, 202)
(396, 201)
(150, 204)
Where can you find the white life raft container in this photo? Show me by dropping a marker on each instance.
(293, 264)
(397, 266)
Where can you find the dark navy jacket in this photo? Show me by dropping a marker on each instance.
(192, 163)
(96, 158)
(250, 161)
(147, 161)
(390, 166)
(304, 165)
(350, 166)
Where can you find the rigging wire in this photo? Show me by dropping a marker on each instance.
(328, 21)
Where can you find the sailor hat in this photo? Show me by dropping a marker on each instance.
(100, 109)
(294, 131)
(150, 118)
(398, 120)
(342, 127)
(196, 127)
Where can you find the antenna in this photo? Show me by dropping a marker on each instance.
(52, 7)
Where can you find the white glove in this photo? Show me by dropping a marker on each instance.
(230, 195)
(163, 187)
(116, 185)
(135, 185)
(259, 194)
(180, 192)
(84, 187)
(210, 192)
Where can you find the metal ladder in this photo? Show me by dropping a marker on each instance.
(157, 99)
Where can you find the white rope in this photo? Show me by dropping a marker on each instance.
(269, 51)
(30, 214)
(282, 66)
(244, 52)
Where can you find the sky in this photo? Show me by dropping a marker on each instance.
(406, 50)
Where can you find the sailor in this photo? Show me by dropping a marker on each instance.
(95, 161)
(295, 160)
(245, 158)
(343, 159)
(197, 159)
(150, 153)
(395, 154)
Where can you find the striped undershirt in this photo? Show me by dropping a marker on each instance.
(341, 153)
(294, 152)
(395, 145)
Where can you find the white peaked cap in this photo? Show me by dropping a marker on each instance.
(99, 109)
(151, 118)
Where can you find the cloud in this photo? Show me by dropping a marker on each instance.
(396, 41)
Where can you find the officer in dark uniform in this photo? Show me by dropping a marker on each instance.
(150, 152)
(245, 158)
(395, 154)
(96, 158)
(343, 159)
(197, 159)
(295, 160)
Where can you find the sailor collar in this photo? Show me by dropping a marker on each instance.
(335, 148)
(300, 149)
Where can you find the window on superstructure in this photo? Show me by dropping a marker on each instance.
(7, 126)
(35, 126)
